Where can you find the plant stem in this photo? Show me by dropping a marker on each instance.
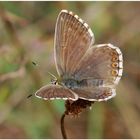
(63, 127)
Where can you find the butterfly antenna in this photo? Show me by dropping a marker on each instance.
(29, 95)
(34, 63)
(52, 75)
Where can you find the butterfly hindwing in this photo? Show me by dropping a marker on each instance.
(99, 72)
(103, 62)
(95, 93)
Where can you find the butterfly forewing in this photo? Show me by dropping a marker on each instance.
(72, 39)
(50, 92)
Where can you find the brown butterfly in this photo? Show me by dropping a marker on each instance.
(86, 71)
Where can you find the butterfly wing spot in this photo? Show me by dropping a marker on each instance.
(106, 95)
(117, 63)
(103, 97)
(115, 58)
(113, 53)
(114, 72)
(114, 65)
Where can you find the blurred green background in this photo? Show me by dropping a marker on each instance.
(27, 34)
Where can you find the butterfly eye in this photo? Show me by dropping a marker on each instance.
(114, 65)
(54, 81)
(114, 72)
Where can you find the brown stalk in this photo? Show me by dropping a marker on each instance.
(63, 126)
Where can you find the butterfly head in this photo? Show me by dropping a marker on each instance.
(54, 81)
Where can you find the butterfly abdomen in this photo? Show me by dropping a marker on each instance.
(91, 83)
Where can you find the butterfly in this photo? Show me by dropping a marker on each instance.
(85, 71)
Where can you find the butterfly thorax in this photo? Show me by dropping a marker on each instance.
(70, 83)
